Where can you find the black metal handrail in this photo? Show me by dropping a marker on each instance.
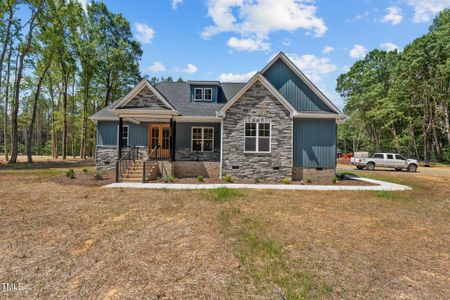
(126, 161)
(154, 153)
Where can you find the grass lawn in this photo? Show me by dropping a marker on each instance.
(62, 240)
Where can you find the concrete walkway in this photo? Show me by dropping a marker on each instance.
(381, 186)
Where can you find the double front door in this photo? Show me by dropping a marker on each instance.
(159, 134)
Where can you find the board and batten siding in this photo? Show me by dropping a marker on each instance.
(293, 88)
(315, 143)
(107, 133)
(184, 134)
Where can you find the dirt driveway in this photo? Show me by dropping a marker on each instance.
(62, 240)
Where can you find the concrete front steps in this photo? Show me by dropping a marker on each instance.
(134, 172)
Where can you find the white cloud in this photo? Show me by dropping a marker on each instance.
(248, 44)
(314, 67)
(358, 51)
(232, 77)
(388, 46)
(176, 3)
(364, 15)
(257, 19)
(327, 49)
(145, 33)
(394, 15)
(156, 67)
(190, 69)
(286, 42)
(424, 10)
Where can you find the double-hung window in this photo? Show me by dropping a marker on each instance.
(198, 94)
(257, 137)
(207, 94)
(202, 139)
(125, 135)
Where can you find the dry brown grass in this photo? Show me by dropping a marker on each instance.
(71, 241)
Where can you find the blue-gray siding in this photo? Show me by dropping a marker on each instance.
(107, 133)
(294, 89)
(184, 132)
(314, 143)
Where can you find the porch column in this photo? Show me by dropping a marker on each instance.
(119, 144)
(173, 130)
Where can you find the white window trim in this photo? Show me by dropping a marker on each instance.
(204, 94)
(195, 94)
(128, 135)
(257, 136)
(202, 139)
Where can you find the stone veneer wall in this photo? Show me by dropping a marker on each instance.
(317, 176)
(186, 154)
(147, 99)
(106, 156)
(257, 103)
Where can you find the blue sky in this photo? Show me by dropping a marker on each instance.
(231, 39)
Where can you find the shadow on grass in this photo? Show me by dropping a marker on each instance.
(46, 165)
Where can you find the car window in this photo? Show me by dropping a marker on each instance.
(377, 155)
(399, 157)
(390, 156)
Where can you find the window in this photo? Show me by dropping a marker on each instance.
(399, 157)
(378, 155)
(124, 135)
(198, 94)
(257, 137)
(208, 94)
(390, 156)
(202, 139)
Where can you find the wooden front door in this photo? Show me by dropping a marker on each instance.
(159, 134)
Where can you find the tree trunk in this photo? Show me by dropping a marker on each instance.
(15, 111)
(33, 114)
(6, 40)
(64, 133)
(5, 114)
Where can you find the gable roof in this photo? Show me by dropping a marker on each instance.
(135, 91)
(258, 77)
(283, 57)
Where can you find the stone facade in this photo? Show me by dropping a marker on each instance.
(186, 154)
(257, 103)
(106, 156)
(146, 99)
(315, 175)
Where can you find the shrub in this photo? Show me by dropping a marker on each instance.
(200, 178)
(168, 179)
(228, 178)
(98, 176)
(308, 180)
(71, 174)
(257, 180)
(334, 179)
(85, 171)
(286, 180)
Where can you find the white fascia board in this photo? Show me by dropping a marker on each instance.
(305, 79)
(143, 83)
(267, 84)
(205, 119)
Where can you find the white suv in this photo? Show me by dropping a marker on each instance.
(385, 160)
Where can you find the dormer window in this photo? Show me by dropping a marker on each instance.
(208, 94)
(198, 94)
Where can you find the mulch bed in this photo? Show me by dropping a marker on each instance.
(84, 179)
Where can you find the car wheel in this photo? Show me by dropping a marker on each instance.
(370, 166)
(412, 168)
(360, 167)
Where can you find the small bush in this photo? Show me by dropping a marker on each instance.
(308, 180)
(85, 171)
(98, 176)
(168, 179)
(223, 194)
(257, 180)
(228, 178)
(286, 180)
(200, 178)
(334, 179)
(71, 174)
